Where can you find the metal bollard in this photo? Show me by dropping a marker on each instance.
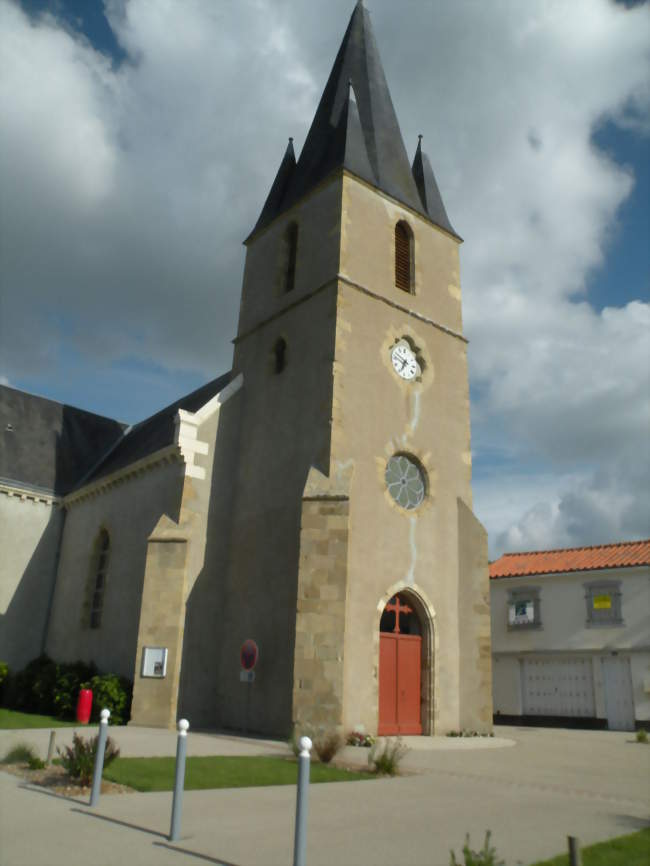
(574, 851)
(50, 748)
(179, 780)
(99, 756)
(300, 841)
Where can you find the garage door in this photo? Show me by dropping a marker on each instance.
(558, 686)
(619, 700)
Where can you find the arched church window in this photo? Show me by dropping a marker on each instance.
(279, 355)
(102, 550)
(292, 250)
(403, 257)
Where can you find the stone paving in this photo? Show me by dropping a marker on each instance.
(531, 787)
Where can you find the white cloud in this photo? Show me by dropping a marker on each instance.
(127, 192)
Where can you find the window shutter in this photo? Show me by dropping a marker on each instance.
(402, 258)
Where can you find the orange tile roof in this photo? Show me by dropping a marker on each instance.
(619, 555)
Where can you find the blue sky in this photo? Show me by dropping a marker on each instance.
(141, 142)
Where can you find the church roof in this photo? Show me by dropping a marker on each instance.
(624, 554)
(48, 446)
(356, 128)
(156, 432)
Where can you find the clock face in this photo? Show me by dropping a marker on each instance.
(404, 361)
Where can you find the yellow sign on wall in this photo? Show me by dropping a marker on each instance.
(602, 602)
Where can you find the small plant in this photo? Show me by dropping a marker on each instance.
(36, 764)
(360, 738)
(463, 733)
(641, 736)
(326, 745)
(79, 759)
(21, 753)
(385, 756)
(487, 856)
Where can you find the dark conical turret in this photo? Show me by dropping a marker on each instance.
(273, 203)
(428, 189)
(354, 128)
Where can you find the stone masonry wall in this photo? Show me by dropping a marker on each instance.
(161, 624)
(320, 620)
(475, 650)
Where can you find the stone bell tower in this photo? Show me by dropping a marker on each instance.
(355, 562)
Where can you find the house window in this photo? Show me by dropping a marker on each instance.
(524, 610)
(403, 257)
(102, 549)
(603, 599)
(292, 250)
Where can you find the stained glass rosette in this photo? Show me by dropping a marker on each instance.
(405, 481)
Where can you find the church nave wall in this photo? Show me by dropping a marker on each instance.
(128, 511)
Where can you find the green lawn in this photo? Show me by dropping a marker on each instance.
(157, 774)
(15, 720)
(632, 850)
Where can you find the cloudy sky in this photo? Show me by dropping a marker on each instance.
(139, 139)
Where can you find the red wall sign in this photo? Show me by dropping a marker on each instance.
(249, 654)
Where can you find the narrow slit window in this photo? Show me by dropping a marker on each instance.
(279, 355)
(292, 249)
(102, 550)
(403, 257)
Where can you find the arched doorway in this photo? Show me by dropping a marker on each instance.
(400, 668)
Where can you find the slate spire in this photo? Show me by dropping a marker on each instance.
(354, 128)
(347, 146)
(428, 189)
(274, 201)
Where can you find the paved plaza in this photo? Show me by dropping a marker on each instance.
(531, 787)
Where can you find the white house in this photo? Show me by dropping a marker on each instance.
(571, 636)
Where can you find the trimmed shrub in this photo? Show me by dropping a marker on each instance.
(115, 693)
(4, 676)
(31, 689)
(641, 736)
(326, 745)
(487, 856)
(52, 688)
(385, 756)
(70, 678)
(79, 759)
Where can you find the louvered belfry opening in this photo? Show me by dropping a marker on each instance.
(292, 249)
(402, 257)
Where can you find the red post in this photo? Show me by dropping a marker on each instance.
(84, 706)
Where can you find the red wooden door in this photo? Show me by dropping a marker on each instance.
(388, 723)
(399, 683)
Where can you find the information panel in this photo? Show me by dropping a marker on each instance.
(154, 661)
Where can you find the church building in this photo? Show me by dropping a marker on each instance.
(316, 499)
